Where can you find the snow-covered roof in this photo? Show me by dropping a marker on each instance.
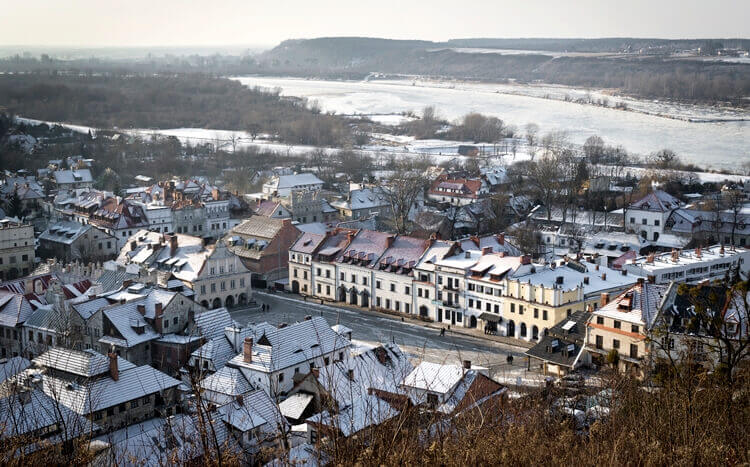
(256, 410)
(86, 363)
(292, 345)
(228, 381)
(658, 201)
(298, 180)
(434, 377)
(12, 367)
(639, 305)
(73, 176)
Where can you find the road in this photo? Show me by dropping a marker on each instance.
(418, 341)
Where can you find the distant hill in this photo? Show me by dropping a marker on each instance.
(654, 74)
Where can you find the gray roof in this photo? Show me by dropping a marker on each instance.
(556, 348)
(27, 413)
(226, 380)
(113, 280)
(210, 324)
(257, 409)
(12, 367)
(291, 181)
(73, 176)
(103, 392)
(87, 363)
(292, 345)
(65, 232)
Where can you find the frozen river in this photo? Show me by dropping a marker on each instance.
(717, 144)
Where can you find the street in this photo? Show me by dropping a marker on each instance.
(418, 341)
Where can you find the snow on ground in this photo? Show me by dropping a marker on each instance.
(714, 144)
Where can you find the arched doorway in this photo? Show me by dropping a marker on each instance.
(353, 296)
(242, 300)
(295, 287)
(472, 321)
(204, 303)
(535, 332)
(523, 330)
(365, 299)
(656, 236)
(216, 303)
(423, 311)
(644, 235)
(229, 302)
(510, 329)
(342, 294)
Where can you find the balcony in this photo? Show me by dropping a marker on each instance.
(452, 288)
(446, 304)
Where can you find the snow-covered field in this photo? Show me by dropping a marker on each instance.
(718, 144)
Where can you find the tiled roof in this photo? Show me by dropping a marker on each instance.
(434, 377)
(210, 324)
(293, 345)
(307, 242)
(564, 341)
(226, 380)
(659, 201)
(12, 367)
(87, 363)
(73, 176)
(103, 392)
(259, 227)
(291, 181)
(473, 389)
(256, 410)
(366, 247)
(639, 304)
(28, 413)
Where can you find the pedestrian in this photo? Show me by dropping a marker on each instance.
(442, 331)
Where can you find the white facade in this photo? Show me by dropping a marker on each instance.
(691, 265)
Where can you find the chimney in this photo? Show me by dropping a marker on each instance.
(247, 350)
(315, 372)
(475, 239)
(467, 364)
(239, 399)
(157, 310)
(350, 235)
(650, 258)
(721, 250)
(698, 252)
(597, 266)
(389, 241)
(350, 374)
(559, 279)
(501, 238)
(652, 279)
(586, 280)
(113, 370)
(502, 254)
(141, 309)
(467, 254)
(173, 245)
(624, 272)
(486, 250)
(525, 259)
(604, 299)
(308, 318)
(133, 245)
(675, 255)
(640, 281)
(604, 276)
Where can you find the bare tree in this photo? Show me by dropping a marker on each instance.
(532, 130)
(402, 191)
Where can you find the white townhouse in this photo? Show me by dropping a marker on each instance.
(692, 265)
(647, 216)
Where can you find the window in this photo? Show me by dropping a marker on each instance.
(407, 308)
(617, 324)
(213, 288)
(296, 370)
(354, 279)
(633, 351)
(388, 303)
(644, 221)
(232, 283)
(632, 220)
(166, 323)
(223, 286)
(341, 276)
(281, 377)
(328, 289)
(134, 403)
(328, 273)
(319, 272)
(174, 321)
(599, 342)
(407, 290)
(377, 284)
(318, 288)
(393, 287)
(242, 280)
(364, 281)
(326, 360)
(419, 292)
(615, 344)
(599, 320)
(471, 303)
(203, 289)
(536, 312)
(520, 309)
(98, 416)
(656, 222)
(512, 307)
(544, 314)
(635, 328)
(426, 293)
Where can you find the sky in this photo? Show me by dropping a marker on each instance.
(138, 23)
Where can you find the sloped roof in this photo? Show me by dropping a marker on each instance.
(259, 227)
(103, 392)
(211, 323)
(73, 176)
(291, 181)
(12, 367)
(362, 412)
(639, 304)
(25, 415)
(227, 380)
(658, 200)
(556, 347)
(87, 363)
(473, 389)
(293, 345)
(434, 377)
(307, 242)
(257, 409)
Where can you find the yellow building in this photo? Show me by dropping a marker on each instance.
(538, 297)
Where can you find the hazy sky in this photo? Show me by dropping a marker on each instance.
(263, 22)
